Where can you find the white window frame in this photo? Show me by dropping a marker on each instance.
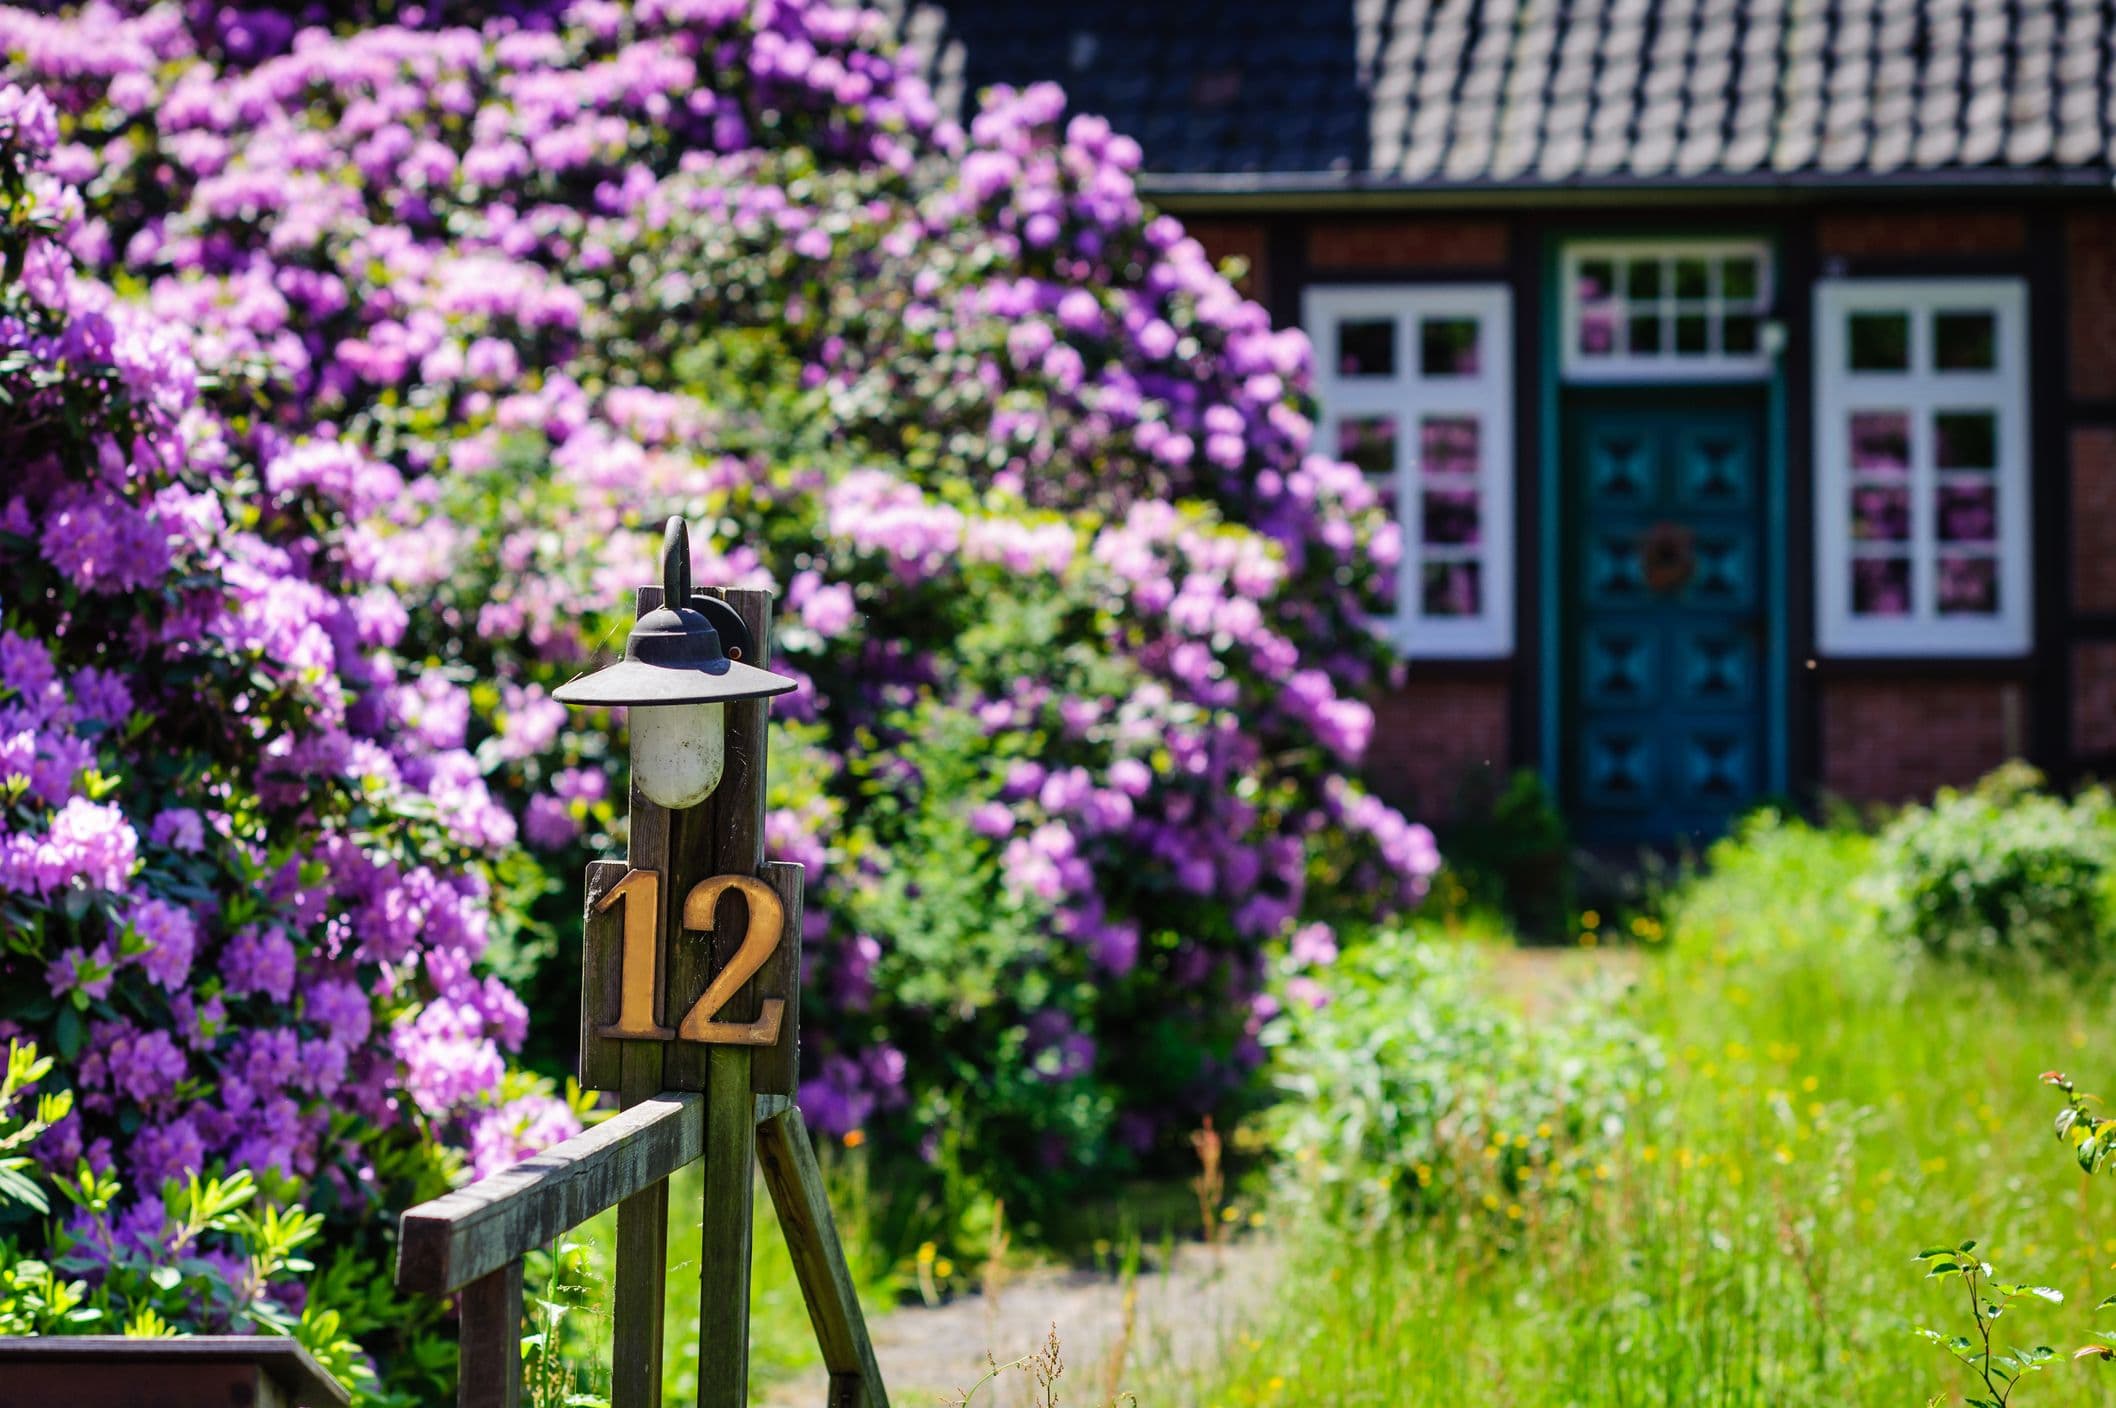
(1409, 395)
(1921, 392)
(1666, 365)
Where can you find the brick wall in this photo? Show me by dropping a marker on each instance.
(1921, 232)
(2094, 520)
(1242, 239)
(1897, 740)
(1430, 736)
(2094, 699)
(2090, 259)
(1406, 243)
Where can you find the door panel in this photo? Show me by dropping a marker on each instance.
(1662, 697)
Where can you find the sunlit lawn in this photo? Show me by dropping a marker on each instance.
(1829, 1112)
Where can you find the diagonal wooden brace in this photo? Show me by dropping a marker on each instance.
(796, 1184)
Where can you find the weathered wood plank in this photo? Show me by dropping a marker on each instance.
(639, 1274)
(796, 1184)
(770, 1105)
(776, 1069)
(725, 1222)
(736, 848)
(639, 1266)
(112, 1371)
(693, 958)
(741, 791)
(446, 1244)
(726, 835)
(601, 965)
(490, 1321)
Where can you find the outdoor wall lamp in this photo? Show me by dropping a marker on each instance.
(682, 666)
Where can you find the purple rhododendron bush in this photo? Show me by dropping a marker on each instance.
(417, 335)
(244, 951)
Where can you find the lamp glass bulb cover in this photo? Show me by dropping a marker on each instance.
(678, 751)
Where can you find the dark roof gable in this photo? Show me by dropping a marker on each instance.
(1278, 94)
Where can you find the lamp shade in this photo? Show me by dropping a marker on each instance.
(675, 654)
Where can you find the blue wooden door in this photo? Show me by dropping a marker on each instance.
(1663, 621)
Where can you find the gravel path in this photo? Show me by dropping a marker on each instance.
(1184, 1313)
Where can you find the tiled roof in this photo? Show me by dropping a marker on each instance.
(1286, 94)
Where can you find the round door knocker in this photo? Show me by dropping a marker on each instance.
(1667, 556)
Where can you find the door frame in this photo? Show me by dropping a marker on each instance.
(1553, 754)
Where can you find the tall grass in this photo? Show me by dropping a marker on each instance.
(1829, 1110)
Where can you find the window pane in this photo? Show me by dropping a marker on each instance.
(1880, 342)
(1451, 588)
(1965, 439)
(1968, 585)
(1642, 279)
(1379, 599)
(1964, 342)
(1739, 334)
(1597, 332)
(1597, 279)
(1447, 346)
(1448, 445)
(1691, 337)
(1645, 333)
(1737, 280)
(1880, 586)
(1369, 442)
(1880, 442)
(1881, 513)
(1691, 279)
(1968, 513)
(1450, 517)
(1366, 347)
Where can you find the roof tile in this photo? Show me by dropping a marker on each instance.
(1543, 90)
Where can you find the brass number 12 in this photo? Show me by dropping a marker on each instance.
(641, 976)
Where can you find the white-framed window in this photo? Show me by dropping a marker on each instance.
(1921, 467)
(1665, 310)
(1416, 388)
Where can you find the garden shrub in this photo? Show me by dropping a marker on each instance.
(1076, 609)
(1510, 850)
(2003, 871)
(1407, 1089)
(242, 903)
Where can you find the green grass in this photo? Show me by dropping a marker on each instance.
(782, 1344)
(1829, 1110)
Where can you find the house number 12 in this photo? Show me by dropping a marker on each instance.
(640, 981)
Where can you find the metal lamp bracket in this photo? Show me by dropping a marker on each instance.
(735, 638)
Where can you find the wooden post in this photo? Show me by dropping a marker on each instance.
(695, 1084)
(490, 1313)
(642, 1258)
(736, 847)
